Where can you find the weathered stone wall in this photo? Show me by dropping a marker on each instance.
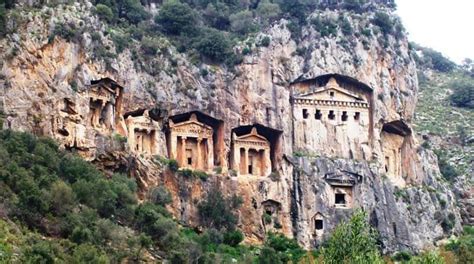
(42, 73)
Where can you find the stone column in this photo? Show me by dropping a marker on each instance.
(173, 152)
(183, 152)
(267, 163)
(199, 153)
(131, 134)
(246, 161)
(210, 154)
(236, 158)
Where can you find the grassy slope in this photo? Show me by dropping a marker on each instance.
(436, 117)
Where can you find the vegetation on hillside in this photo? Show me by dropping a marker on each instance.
(207, 30)
(55, 207)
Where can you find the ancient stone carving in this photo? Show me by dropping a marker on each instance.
(393, 138)
(271, 214)
(317, 222)
(191, 144)
(342, 183)
(251, 154)
(105, 98)
(143, 134)
(332, 120)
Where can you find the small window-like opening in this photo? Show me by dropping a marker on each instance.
(394, 226)
(331, 115)
(318, 114)
(387, 160)
(190, 161)
(318, 224)
(269, 212)
(344, 116)
(305, 113)
(250, 169)
(340, 199)
(357, 116)
(331, 94)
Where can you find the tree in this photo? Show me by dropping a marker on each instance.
(242, 22)
(384, 22)
(353, 241)
(104, 12)
(3, 20)
(214, 45)
(268, 11)
(463, 94)
(177, 18)
(216, 211)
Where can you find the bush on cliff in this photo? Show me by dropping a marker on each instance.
(353, 241)
(463, 93)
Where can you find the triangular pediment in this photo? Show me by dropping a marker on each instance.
(192, 124)
(253, 136)
(332, 93)
(342, 178)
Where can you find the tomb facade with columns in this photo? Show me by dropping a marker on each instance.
(105, 102)
(143, 133)
(191, 144)
(332, 117)
(251, 154)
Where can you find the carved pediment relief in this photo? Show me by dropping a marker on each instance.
(342, 178)
(191, 127)
(252, 139)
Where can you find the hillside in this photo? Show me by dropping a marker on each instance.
(225, 131)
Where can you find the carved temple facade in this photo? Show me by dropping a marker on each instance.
(251, 154)
(191, 144)
(332, 117)
(143, 133)
(105, 103)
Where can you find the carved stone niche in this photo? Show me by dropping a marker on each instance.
(342, 188)
(143, 129)
(253, 152)
(271, 217)
(332, 116)
(193, 139)
(105, 103)
(394, 138)
(317, 223)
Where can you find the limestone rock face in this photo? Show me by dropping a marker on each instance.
(46, 91)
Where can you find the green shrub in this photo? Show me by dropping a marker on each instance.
(233, 238)
(214, 45)
(430, 257)
(353, 240)
(265, 41)
(3, 20)
(217, 211)
(87, 253)
(286, 249)
(268, 11)
(104, 12)
(402, 256)
(176, 18)
(160, 196)
(267, 219)
(326, 26)
(173, 165)
(384, 22)
(447, 170)
(463, 93)
(242, 22)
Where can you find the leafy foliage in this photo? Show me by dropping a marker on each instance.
(176, 18)
(463, 93)
(217, 211)
(353, 241)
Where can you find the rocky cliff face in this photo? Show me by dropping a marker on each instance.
(411, 211)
